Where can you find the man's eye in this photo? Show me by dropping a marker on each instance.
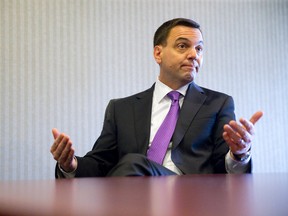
(199, 49)
(182, 46)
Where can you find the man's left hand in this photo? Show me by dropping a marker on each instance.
(239, 135)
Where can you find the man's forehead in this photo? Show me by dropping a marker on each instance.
(185, 32)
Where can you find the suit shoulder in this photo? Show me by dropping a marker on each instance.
(213, 96)
(214, 92)
(133, 97)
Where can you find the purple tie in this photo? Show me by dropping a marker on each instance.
(164, 134)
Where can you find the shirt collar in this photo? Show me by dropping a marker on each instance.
(161, 90)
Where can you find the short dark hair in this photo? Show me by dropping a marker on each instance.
(161, 34)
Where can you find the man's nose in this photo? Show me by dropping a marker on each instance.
(192, 54)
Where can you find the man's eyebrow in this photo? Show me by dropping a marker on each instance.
(201, 42)
(185, 39)
(181, 38)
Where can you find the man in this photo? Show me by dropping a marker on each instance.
(206, 138)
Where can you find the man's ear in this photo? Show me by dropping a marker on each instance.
(158, 53)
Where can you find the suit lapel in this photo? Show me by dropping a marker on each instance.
(193, 100)
(142, 117)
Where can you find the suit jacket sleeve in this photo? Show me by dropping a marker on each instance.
(104, 154)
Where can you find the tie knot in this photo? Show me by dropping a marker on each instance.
(174, 95)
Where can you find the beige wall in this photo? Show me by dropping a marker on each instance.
(62, 60)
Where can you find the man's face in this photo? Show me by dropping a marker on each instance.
(181, 58)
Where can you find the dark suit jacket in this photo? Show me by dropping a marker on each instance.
(198, 146)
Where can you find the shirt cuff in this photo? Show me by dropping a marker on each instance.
(234, 166)
(67, 174)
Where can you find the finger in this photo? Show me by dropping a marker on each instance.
(228, 139)
(230, 136)
(61, 146)
(69, 160)
(56, 143)
(241, 132)
(234, 147)
(248, 125)
(55, 133)
(71, 155)
(65, 153)
(256, 116)
(234, 131)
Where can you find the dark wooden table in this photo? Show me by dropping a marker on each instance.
(200, 195)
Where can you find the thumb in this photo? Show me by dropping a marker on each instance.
(256, 116)
(55, 133)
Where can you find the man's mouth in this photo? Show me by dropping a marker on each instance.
(189, 67)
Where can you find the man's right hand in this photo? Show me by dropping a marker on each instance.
(63, 152)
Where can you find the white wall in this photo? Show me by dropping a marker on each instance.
(62, 60)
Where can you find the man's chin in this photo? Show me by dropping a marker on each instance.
(187, 80)
(190, 77)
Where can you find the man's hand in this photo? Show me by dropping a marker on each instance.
(63, 152)
(239, 136)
